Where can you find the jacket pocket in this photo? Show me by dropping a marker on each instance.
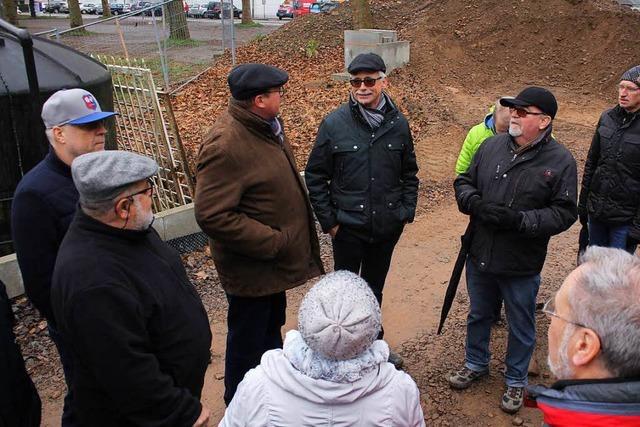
(350, 210)
(344, 155)
(393, 204)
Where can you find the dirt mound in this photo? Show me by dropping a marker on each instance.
(555, 43)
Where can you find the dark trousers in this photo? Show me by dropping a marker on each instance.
(68, 417)
(370, 260)
(19, 401)
(253, 327)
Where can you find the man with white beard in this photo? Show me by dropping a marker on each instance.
(594, 344)
(519, 191)
(134, 323)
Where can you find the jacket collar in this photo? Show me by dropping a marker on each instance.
(623, 117)
(85, 222)
(610, 390)
(355, 109)
(54, 162)
(252, 122)
(542, 139)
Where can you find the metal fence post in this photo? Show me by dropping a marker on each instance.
(163, 59)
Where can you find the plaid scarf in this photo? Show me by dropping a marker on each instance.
(373, 116)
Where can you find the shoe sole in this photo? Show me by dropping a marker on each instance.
(508, 410)
(465, 386)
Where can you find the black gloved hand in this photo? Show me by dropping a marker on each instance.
(485, 211)
(508, 219)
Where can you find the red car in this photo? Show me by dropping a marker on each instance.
(284, 11)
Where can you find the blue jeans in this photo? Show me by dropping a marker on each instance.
(609, 236)
(519, 294)
(68, 417)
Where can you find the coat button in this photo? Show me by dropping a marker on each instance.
(361, 206)
(482, 264)
(373, 179)
(374, 212)
(373, 135)
(504, 176)
(335, 147)
(355, 147)
(390, 204)
(389, 146)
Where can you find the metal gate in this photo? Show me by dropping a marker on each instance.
(146, 125)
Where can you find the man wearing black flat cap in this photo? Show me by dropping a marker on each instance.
(610, 193)
(251, 202)
(362, 176)
(519, 191)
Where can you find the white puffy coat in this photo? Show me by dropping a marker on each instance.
(276, 394)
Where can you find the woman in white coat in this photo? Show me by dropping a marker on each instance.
(332, 372)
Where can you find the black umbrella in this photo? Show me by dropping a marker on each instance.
(452, 288)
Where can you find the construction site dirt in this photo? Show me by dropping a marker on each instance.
(463, 56)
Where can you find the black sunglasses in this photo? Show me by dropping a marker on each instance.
(368, 82)
(146, 190)
(521, 112)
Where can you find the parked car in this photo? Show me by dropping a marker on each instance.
(99, 10)
(117, 8)
(315, 8)
(54, 6)
(196, 10)
(328, 6)
(214, 10)
(285, 11)
(64, 8)
(88, 8)
(157, 11)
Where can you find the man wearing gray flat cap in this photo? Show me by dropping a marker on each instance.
(251, 202)
(45, 201)
(123, 303)
(362, 177)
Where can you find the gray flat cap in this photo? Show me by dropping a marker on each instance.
(102, 175)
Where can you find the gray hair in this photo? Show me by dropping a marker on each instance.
(50, 137)
(606, 298)
(98, 209)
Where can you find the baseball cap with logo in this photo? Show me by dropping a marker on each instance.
(72, 107)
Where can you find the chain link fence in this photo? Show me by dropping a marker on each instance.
(176, 40)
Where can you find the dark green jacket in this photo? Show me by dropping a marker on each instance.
(363, 179)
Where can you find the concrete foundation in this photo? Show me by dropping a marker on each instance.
(385, 43)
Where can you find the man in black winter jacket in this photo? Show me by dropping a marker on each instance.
(610, 193)
(361, 176)
(136, 327)
(520, 190)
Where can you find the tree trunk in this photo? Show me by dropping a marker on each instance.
(32, 8)
(106, 10)
(361, 14)
(8, 11)
(75, 17)
(177, 21)
(246, 12)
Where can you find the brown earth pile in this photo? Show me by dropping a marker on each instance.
(481, 48)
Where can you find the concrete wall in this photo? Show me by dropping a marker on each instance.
(385, 43)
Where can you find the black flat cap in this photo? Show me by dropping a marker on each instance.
(534, 96)
(249, 80)
(367, 62)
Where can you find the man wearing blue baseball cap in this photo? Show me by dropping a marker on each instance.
(46, 199)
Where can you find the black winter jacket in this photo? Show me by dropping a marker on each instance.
(363, 179)
(541, 183)
(137, 330)
(610, 190)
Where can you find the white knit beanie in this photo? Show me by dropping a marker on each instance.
(339, 317)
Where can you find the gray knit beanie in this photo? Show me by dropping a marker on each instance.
(339, 317)
(632, 75)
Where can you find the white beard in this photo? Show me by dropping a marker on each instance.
(144, 219)
(515, 131)
(562, 370)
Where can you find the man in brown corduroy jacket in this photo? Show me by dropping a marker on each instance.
(252, 203)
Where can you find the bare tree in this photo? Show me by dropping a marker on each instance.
(246, 12)
(106, 9)
(8, 11)
(361, 14)
(75, 17)
(177, 21)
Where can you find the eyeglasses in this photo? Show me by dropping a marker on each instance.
(549, 309)
(368, 82)
(631, 89)
(91, 126)
(280, 90)
(521, 112)
(149, 190)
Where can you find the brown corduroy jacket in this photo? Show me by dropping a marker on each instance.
(251, 201)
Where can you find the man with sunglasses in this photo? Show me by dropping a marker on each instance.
(362, 177)
(594, 344)
(251, 201)
(124, 305)
(519, 190)
(610, 193)
(45, 201)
